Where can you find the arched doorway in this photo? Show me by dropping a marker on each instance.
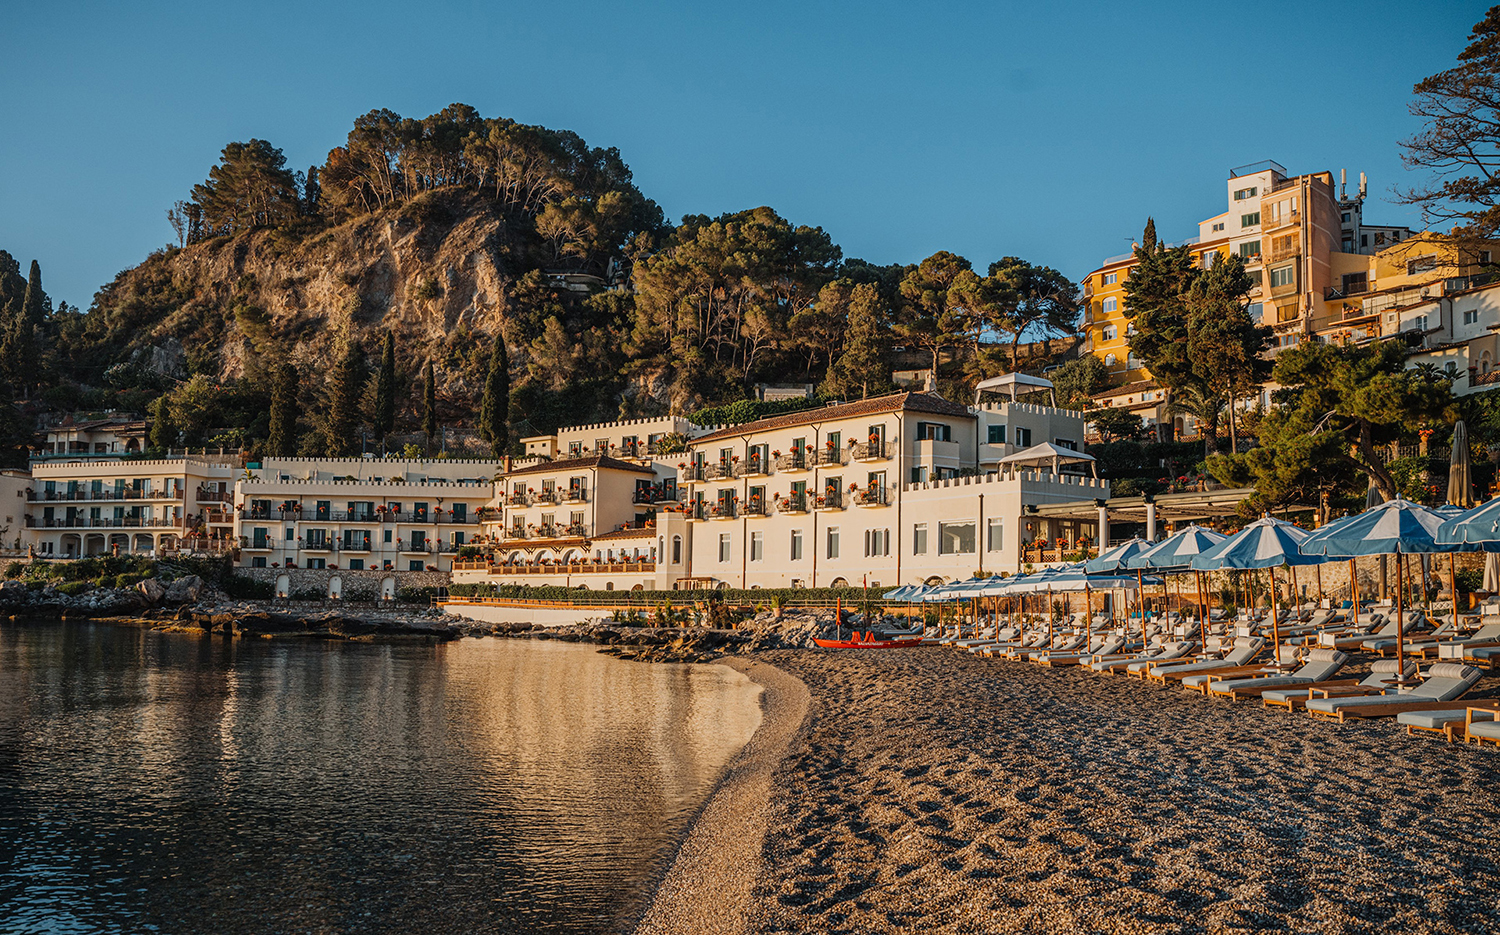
(388, 589)
(142, 542)
(283, 585)
(335, 587)
(839, 583)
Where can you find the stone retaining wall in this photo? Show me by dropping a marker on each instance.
(352, 585)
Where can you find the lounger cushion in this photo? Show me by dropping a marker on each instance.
(1228, 684)
(1451, 670)
(1432, 720)
(1485, 729)
(1325, 655)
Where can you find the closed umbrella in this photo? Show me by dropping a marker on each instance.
(1460, 484)
(1266, 543)
(1397, 527)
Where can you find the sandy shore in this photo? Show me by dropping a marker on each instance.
(940, 792)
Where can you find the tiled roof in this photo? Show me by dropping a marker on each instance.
(1125, 390)
(647, 533)
(602, 462)
(895, 402)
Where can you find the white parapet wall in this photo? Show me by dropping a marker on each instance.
(538, 615)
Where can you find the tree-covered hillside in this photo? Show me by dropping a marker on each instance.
(367, 300)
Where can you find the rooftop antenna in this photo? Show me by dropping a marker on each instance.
(1343, 185)
(1362, 186)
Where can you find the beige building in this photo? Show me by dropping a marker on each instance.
(96, 507)
(360, 514)
(113, 437)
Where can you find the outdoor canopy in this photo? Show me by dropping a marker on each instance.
(1266, 543)
(1115, 558)
(1177, 551)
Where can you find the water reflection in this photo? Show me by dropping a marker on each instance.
(157, 782)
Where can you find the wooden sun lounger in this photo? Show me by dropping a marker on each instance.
(1255, 691)
(1227, 673)
(1391, 710)
(1456, 728)
(1332, 689)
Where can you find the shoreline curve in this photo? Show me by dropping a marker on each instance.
(707, 888)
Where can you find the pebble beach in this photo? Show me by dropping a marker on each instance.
(935, 791)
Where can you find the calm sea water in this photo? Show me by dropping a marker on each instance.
(167, 783)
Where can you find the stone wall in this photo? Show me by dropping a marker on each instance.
(353, 585)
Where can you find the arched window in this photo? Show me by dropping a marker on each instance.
(676, 550)
(1109, 360)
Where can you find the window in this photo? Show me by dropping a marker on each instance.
(1256, 310)
(994, 539)
(955, 538)
(676, 550)
(291, 533)
(724, 546)
(1421, 264)
(919, 539)
(1110, 305)
(1111, 278)
(1218, 227)
(1208, 259)
(796, 545)
(1345, 217)
(1471, 317)
(1023, 437)
(1484, 256)
(1110, 333)
(919, 475)
(1250, 220)
(1244, 193)
(935, 431)
(1132, 362)
(1419, 323)
(757, 546)
(356, 564)
(258, 562)
(833, 542)
(1284, 275)
(388, 532)
(997, 435)
(414, 565)
(877, 542)
(1250, 248)
(1109, 361)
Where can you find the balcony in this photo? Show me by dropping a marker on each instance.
(1483, 379)
(544, 496)
(1356, 287)
(518, 499)
(872, 451)
(829, 500)
(110, 494)
(723, 470)
(574, 529)
(753, 507)
(656, 493)
(215, 496)
(516, 532)
(792, 503)
(692, 472)
(1286, 219)
(829, 456)
(319, 545)
(422, 547)
(256, 545)
(1278, 254)
(575, 495)
(356, 545)
(722, 509)
(877, 495)
(101, 522)
(695, 509)
(600, 567)
(752, 467)
(796, 461)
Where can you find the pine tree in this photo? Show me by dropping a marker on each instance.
(384, 417)
(312, 192)
(163, 433)
(494, 409)
(343, 404)
(283, 440)
(1148, 237)
(429, 404)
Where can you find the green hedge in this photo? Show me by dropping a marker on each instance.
(74, 588)
(748, 410)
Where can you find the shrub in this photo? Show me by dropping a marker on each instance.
(15, 570)
(74, 588)
(418, 595)
(247, 588)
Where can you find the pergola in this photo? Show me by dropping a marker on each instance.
(1015, 385)
(1048, 455)
(1188, 506)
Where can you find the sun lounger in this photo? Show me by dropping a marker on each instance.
(1109, 664)
(1442, 685)
(1449, 722)
(1481, 724)
(1243, 650)
(1101, 648)
(1287, 655)
(1374, 683)
(1320, 665)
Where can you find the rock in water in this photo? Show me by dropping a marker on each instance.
(152, 590)
(184, 590)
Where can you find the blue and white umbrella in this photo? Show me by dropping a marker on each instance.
(907, 592)
(1177, 551)
(1266, 543)
(1479, 526)
(1115, 558)
(1397, 527)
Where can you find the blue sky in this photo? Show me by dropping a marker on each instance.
(1044, 130)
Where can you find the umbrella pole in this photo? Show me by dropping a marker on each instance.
(1400, 617)
(1140, 607)
(1202, 614)
(1275, 622)
(1354, 590)
(1049, 616)
(1452, 585)
(1318, 569)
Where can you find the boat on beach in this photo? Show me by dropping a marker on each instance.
(870, 640)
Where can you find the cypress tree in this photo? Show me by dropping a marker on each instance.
(384, 418)
(312, 192)
(163, 433)
(494, 409)
(283, 441)
(34, 305)
(429, 404)
(1148, 237)
(862, 366)
(343, 404)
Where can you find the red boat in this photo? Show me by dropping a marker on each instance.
(869, 641)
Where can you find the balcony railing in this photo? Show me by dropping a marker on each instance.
(829, 456)
(570, 568)
(872, 496)
(723, 470)
(796, 461)
(215, 496)
(414, 548)
(753, 507)
(829, 500)
(1044, 555)
(724, 509)
(517, 499)
(694, 472)
(544, 496)
(872, 451)
(1483, 379)
(575, 495)
(656, 493)
(1286, 219)
(792, 503)
(101, 522)
(108, 493)
(752, 467)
